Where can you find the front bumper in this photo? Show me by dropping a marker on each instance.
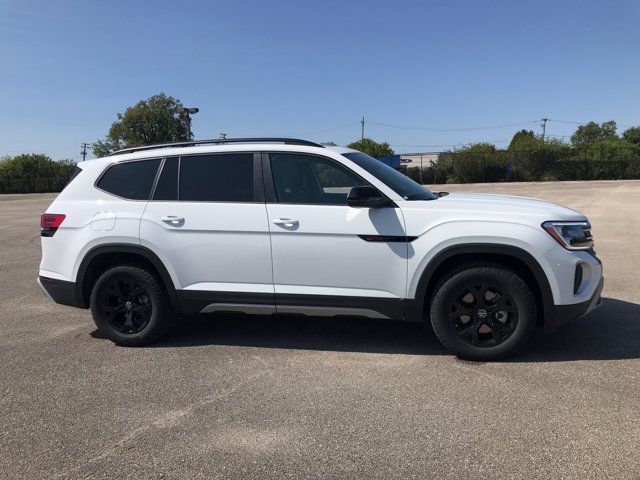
(566, 313)
(62, 292)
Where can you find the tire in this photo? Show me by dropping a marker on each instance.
(478, 326)
(129, 306)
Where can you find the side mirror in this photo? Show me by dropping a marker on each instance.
(368, 197)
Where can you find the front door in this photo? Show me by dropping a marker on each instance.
(329, 258)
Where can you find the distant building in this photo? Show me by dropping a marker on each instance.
(417, 160)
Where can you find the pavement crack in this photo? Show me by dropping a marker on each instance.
(167, 420)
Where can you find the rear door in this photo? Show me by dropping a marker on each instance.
(329, 258)
(208, 223)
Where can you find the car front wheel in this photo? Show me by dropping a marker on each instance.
(483, 312)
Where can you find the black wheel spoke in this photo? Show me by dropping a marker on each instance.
(462, 309)
(117, 288)
(474, 332)
(481, 295)
(136, 292)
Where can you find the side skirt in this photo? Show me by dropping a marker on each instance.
(198, 301)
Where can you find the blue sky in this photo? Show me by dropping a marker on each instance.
(313, 69)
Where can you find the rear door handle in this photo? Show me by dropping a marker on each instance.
(173, 220)
(287, 222)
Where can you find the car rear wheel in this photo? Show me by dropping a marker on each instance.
(483, 312)
(129, 306)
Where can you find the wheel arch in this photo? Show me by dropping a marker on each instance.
(519, 260)
(103, 256)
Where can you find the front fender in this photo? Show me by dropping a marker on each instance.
(439, 249)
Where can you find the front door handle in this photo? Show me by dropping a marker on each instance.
(287, 222)
(173, 220)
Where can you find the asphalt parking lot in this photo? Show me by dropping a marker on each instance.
(269, 397)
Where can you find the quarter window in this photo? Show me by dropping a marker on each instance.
(131, 180)
(217, 178)
(167, 187)
(312, 180)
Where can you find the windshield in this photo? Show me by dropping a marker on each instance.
(399, 183)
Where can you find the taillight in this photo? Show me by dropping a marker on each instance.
(49, 223)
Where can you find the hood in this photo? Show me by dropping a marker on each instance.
(501, 205)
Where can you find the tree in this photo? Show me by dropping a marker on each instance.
(591, 133)
(158, 119)
(524, 139)
(373, 148)
(632, 135)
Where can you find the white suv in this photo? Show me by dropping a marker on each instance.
(288, 226)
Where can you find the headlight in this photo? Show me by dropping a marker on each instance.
(571, 235)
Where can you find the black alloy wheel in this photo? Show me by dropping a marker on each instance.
(126, 305)
(483, 315)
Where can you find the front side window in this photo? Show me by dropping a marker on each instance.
(131, 180)
(398, 182)
(217, 178)
(312, 180)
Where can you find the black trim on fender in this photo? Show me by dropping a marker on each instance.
(416, 308)
(61, 291)
(387, 238)
(126, 248)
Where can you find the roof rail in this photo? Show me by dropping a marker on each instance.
(220, 141)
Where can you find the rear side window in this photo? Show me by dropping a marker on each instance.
(131, 180)
(167, 187)
(217, 178)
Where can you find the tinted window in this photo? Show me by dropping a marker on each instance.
(398, 182)
(132, 180)
(217, 178)
(76, 172)
(167, 187)
(309, 179)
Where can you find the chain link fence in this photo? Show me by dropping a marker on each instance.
(528, 166)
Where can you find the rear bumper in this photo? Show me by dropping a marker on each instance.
(62, 292)
(566, 313)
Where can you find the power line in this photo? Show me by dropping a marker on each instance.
(459, 144)
(452, 129)
(585, 123)
(328, 130)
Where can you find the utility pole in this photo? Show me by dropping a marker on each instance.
(362, 134)
(83, 152)
(544, 127)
